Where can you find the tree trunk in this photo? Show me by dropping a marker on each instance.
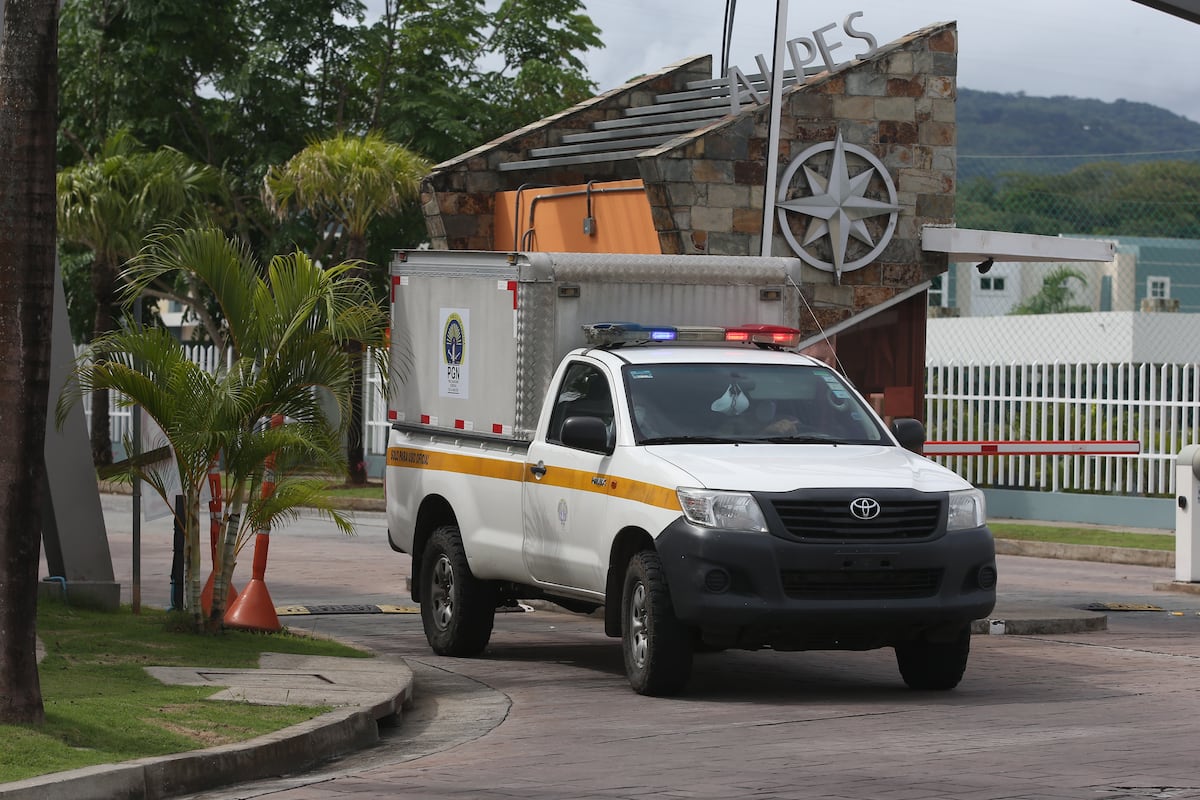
(28, 104)
(226, 555)
(103, 283)
(192, 550)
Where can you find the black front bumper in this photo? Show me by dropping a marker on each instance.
(741, 589)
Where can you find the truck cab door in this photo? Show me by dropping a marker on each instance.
(566, 488)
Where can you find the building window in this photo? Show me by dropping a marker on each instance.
(989, 284)
(1158, 288)
(937, 294)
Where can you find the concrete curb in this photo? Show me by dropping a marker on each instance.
(1020, 619)
(1086, 552)
(292, 750)
(1177, 586)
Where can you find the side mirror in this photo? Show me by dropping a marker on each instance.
(586, 433)
(910, 433)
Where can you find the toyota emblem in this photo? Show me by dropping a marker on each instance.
(864, 508)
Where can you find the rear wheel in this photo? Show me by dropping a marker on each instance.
(457, 609)
(935, 666)
(657, 647)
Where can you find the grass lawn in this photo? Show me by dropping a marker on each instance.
(102, 707)
(1094, 536)
(372, 491)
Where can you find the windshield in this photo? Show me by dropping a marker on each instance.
(743, 403)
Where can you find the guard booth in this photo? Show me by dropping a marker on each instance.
(1187, 515)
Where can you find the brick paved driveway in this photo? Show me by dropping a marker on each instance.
(547, 713)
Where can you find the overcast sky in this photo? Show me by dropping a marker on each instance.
(1103, 49)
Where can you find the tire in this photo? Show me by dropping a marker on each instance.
(657, 647)
(934, 666)
(457, 609)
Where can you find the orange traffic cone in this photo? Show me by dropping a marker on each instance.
(253, 608)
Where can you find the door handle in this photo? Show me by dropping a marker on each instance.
(538, 469)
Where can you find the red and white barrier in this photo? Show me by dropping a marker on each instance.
(1119, 447)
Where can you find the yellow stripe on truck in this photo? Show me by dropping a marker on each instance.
(448, 462)
(578, 480)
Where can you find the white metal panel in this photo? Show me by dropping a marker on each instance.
(487, 397)
(966, 244)
(517, 335)
(486, 508)
(1090, 337)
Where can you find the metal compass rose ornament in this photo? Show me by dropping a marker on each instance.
(838, 208)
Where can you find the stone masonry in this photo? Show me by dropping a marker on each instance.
(458, 197)
(705, 188)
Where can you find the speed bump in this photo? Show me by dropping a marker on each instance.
(1124, 607)
(356, 608)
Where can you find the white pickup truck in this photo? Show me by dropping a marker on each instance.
(706, 485)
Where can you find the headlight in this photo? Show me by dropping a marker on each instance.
(967, 510)
(726, 510)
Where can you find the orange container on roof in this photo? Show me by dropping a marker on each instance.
(610, 217)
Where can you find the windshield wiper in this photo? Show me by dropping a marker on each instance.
(802, 440)
(696, 440)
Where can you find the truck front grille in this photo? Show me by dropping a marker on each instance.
(899, 584)
(831, 519)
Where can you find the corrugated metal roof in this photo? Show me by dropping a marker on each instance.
(646, 127)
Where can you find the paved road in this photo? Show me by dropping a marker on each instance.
(547, 712)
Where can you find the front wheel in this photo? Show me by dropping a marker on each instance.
(457, 609)
(656, 645)
(936, 666)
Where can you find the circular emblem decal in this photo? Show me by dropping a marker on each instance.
(454, 338)
(864, 508)
(850, 217)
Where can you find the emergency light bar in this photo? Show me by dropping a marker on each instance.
(615, 334)
(772, 335)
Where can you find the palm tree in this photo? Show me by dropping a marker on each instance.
(28, 64)
(345, 183)
(287, 332)
(1055, 296)
(109, 205)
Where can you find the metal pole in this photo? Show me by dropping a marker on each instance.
(768, 228)
(136, 588)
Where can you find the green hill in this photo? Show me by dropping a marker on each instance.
(1042, 134)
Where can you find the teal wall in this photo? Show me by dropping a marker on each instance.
(1088, 509)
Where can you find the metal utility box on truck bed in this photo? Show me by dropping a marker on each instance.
(476, 335)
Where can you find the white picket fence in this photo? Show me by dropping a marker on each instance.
(1155, 404)
(375, 427)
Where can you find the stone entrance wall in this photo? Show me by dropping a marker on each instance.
(705, 187)
(707, 194)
